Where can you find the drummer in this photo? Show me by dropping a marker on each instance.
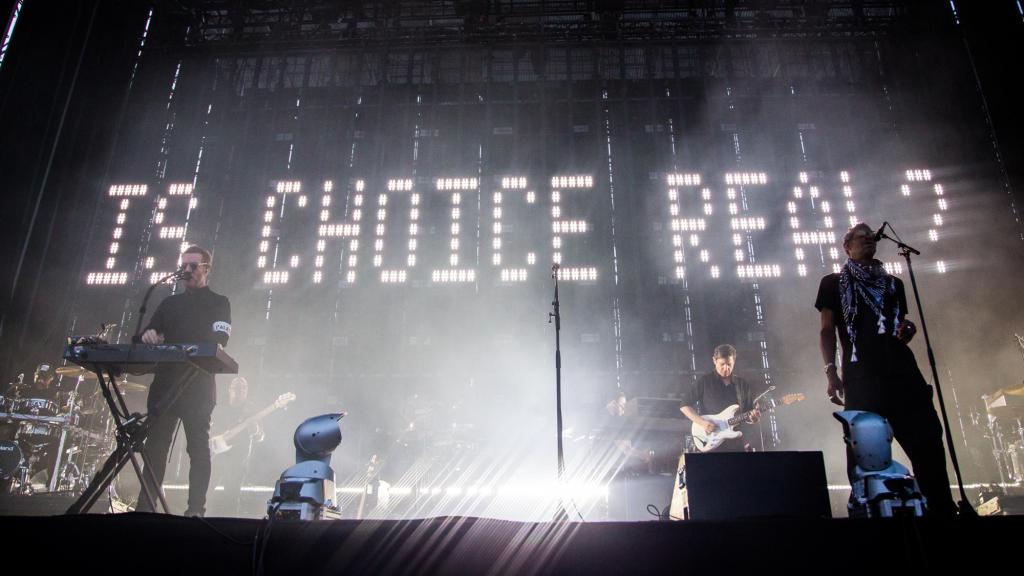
(42, 383)
(40, 441)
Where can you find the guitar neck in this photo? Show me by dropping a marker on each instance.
(234, 430)
(785, 401)
(737, 419)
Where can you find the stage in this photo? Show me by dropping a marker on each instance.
(463, 545)
(519, 256)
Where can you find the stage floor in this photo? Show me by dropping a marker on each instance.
(161, 544)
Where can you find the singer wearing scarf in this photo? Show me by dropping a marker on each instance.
(866, 307)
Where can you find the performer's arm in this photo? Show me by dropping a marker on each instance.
(222, 322)
(906, 330)
(690, 413)
(827, 343)
(154, 333)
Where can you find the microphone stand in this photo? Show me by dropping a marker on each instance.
(905, 250)
(560, 514)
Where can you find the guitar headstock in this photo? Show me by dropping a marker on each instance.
(792, 398)
(284, 399)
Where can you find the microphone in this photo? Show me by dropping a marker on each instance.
(555, 268)
(183, 273)
(881, 231)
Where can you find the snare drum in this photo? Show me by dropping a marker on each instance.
(36, 407)
(10, 458)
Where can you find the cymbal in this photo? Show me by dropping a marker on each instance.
(129, 386)
(73, 371)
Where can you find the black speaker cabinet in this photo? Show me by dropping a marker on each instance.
(732, 485)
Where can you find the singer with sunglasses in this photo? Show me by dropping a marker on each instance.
(196, 315)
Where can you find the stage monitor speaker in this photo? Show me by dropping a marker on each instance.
(733, 485)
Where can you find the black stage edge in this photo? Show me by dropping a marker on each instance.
(136, 543)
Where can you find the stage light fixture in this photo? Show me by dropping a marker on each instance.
(306, 491)
(880, 486)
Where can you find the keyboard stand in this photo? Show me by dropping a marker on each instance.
(131, 437)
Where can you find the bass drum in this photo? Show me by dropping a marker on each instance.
(10, 458)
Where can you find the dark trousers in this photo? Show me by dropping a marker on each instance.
(195, 420)
(233, 468)
(917, 428)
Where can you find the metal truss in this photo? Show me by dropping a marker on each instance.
(319, 23)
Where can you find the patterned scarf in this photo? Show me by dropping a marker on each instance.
(866, 284)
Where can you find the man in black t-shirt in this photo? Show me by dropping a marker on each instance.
(196, 315)
(716, 391)
(867, 307)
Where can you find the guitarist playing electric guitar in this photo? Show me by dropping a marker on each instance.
(725, 400)
(232, 447)
(716, 391)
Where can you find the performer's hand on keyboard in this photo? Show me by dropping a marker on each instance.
(152, 337)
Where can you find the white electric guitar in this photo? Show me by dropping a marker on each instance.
(221, 443)
(726, 421)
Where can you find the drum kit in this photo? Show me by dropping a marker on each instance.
(1003, 425)
(54, 440)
